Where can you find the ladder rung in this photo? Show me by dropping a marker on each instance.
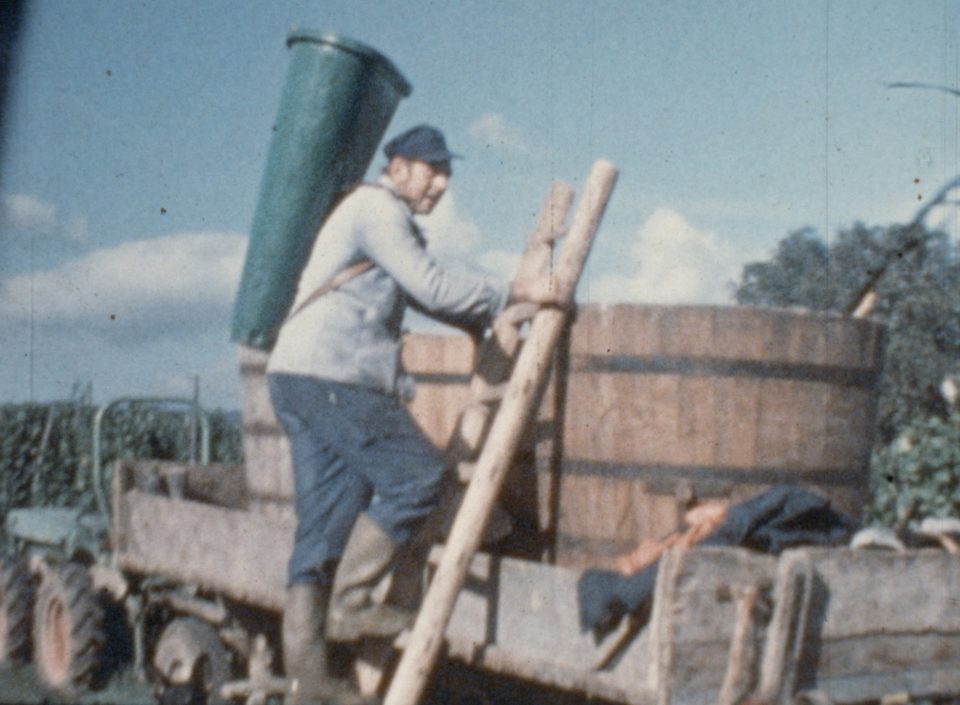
(555, 233)
(489, 392)
(268, 686)
(400, 642)
(473, 423)
(515, 314)
(500, 347)
(465, 470)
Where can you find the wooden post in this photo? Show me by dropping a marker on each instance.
(792, 596)
(497, 353)
(426, 639)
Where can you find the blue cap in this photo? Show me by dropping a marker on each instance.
(422, 142)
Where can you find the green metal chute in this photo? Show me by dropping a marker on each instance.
(337, 102)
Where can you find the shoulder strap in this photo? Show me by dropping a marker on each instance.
(344, 275)
(334, 282)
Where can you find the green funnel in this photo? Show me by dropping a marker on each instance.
(336, 104)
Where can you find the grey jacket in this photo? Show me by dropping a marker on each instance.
(352, 334)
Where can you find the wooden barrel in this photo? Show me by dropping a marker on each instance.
(441, 366)
(654, 407)
(665, 405)
(669, 404)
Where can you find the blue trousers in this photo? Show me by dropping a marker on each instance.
(353, 449)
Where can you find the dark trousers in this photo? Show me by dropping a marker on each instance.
(353, 449)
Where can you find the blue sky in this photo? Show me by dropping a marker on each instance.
(137, 134)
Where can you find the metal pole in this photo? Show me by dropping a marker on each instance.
(194, 412)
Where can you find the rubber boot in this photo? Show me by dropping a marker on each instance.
(353, 613)
(305, 650)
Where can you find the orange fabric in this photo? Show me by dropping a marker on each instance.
(698, 523)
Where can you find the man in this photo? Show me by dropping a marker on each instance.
(364, 475)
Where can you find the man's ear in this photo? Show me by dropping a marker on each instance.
(399, 170)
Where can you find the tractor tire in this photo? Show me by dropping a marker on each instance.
(68, 633)
(16, 604)
(192, 661)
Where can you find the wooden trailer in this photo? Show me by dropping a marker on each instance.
(693, 402)
(727, 623)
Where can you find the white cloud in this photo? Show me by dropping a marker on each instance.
(455, 239)
(493, 130)
(671, 262)
(20, 211)
(177, 277)
(23, 211)
(142, 317)
(209, 356)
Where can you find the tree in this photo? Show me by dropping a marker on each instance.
(915, 274)
(798, 275)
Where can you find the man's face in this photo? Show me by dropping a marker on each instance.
(420, 184)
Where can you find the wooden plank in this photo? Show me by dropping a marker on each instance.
(741, 673)
(520, 618)
(215, 483)
(440, 365)
(695, 615)
(869, 588)
(272, 509)
(267, 460)
(601, 518)
(804, 340)
(697, 420)
(549, 226)
(918, 683)
(185, 540)
(423, 353)
(513, 617)
(848, 434)
(688, 331)
(661, 628)
(879, 622)
(526, 383)
(898, 656)
(530, 610)
(737, 404)
(591, 685)
(792, 597)
(703, 597)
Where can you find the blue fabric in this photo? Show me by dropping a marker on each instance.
(782, 517)
(353, 449)
(421, 142)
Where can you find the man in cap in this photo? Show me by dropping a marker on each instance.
(365, 477)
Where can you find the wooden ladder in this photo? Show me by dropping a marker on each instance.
(509, 376)
(497, 353)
